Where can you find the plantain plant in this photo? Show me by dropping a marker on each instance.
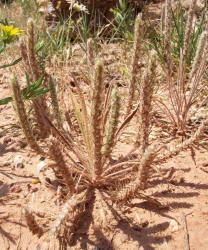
(182, 50)
(84, 160)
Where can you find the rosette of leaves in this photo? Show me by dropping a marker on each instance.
(85, 161)
(95, 181)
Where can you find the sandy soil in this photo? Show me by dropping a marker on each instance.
(184, 191)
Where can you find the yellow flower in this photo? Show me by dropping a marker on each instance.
(8, 32)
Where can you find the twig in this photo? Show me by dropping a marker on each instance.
(183, 216)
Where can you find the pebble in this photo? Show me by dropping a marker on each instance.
(20, 165)
(22, 144)
(177, 177)
(35, 181)
(141, 221)
(174, 227)
(18, 161)
(40, 166)
(28, 187)
(34, 189)
(6, 164)
(42, 158)
(7, 140)
(204, 165)
(16, 189)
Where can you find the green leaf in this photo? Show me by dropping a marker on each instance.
(39, 93)
(6, 100)
(37, 83)
(31, 92)
(11, 64)
(27, 79)
(39, 46)
(3, 47)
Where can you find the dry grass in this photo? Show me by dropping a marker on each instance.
(98, 108)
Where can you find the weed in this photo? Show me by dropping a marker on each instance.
(124, 16)
(84, 158)
(178, 49)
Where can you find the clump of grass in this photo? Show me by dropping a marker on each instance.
(124, 17)
(53, 40)
(95, 177)
(183, 42)
(84, 159)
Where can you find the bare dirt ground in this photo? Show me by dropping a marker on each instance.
(185, 196)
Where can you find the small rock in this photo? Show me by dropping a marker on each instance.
(28, 187)
(18, 161)
(34, 189)
(48, 180)
(6, 164)
(42, 158)
(177, 177)
(35, 181)
(204, 165)
(16, 189)
(7, 140)
(141, 221)
(41, 165)
(144, 223)
(174, 226)
(20, 165)
(22, 144)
